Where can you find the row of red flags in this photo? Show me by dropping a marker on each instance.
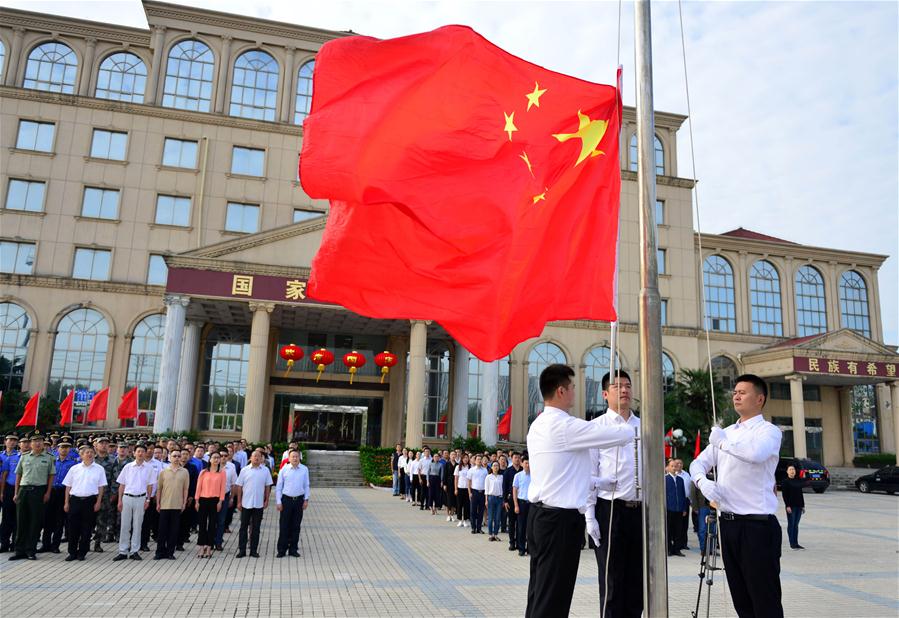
(95, 412)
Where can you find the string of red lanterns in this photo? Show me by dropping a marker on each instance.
(323, 357)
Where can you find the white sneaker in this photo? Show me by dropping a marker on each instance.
(448, 518)
(466, 524)
(459, 525)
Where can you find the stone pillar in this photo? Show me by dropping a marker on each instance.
(489, 401)
(741, 293)
(788, 295)
(187, 381)
(797, 404)
(224, 64)
(415, 399)
(287, 85)
(256, 371)
(846, 424)
(159, 57)
(167, 391)
(885, 428)
(12, 58)
(87, 67)
(459, 426)
(894, 405)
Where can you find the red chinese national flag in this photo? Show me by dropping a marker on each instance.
(65, 408)
(97, 410)
(697, 449)
(128, 407)
(505, 423)
(29, 418)
(467, 186)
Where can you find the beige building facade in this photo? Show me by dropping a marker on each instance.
(154, 236)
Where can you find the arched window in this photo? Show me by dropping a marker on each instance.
(725, 372)
(224, 390)
(79, 358)
(542, 356)
(811, 313)
(14, 334)
(718, 279)
(188, 76)
(476, 389)
(659, 152)
(143, 365)
(597, 362)
(854, 303)
(122, 77)
(254, 90)
(435, 420)
(304, 92)
(53, 67)
(669, 375)
(764, 299)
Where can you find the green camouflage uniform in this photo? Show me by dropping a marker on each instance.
(105, 532)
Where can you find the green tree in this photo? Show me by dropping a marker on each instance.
(688, 404)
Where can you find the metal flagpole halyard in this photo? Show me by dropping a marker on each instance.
(655, 576)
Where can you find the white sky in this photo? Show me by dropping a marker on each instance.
(795, 104)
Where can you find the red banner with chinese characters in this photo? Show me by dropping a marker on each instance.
(237, 285)
(843, 367)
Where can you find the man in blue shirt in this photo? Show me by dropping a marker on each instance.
(54, 513)
(520, 484)
(9, 459)
(292, 498)
(508, 503)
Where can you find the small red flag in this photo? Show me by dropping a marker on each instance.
(65, 408)
(128, 407)
(441, 426)
(668, 448)
(97, 410)
(29, 419)
(505, 423)
(488, 186)
(698, 449)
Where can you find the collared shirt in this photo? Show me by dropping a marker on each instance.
(62, 468)
(159, 466)
(401, 463)
(415, 466)
(35, 469)
(558, 447)
(172, 483)
(292, 482)
(522, 482)
(85, 481)
(137, 478)
(462, 476)
(254, 481)
(508, 477)
(8, 465)
(688, 482)
(240, 458)
(424, 465)
(493, 485)
(230, 475)
(746, 461)
(434, 468)
(613, 468)
(476, 478)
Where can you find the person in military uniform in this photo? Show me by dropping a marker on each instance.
(34, 478)
(107, 517)
(54, 515)
(9, 459)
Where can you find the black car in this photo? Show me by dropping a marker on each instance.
(886, 479)
(812, 472)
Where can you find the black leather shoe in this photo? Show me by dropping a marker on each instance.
(219, 548)
(120, 557)
(254, 554)
(241, 554)
(17, 557)
(43, 550)
(32, 556)
(512, 548)
(98, 548)
(294, 554)
(280, 554)
(521, 553)
(70, 558)
(55, 550)
(179, 547)
(144, 548)
(81, 558)
(135, 556)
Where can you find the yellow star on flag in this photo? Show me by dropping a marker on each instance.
(510, 124)
(590, 132)
(524, 157)
(541, 196)
(534, 97)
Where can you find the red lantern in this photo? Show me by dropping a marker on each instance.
(322, 358)
(291, 354)
(353, 360)
(385, 360)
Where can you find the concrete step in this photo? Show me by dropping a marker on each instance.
(334, 469)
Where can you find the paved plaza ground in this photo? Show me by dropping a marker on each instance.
(366, 553)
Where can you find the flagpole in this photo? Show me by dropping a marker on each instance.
(655, 576)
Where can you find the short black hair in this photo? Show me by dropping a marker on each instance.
(553, 377)
(607, 379)
(757, 382)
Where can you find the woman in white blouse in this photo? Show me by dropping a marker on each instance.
(401, 470)
(493, 489)
(416, 479)
(463, 507)
(410, 457)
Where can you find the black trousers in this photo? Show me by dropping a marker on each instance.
(150, 525)
(402, 482)
(685, 526)
(477, 509)
(554, 541)
(463, 508)
(207, 520)
(167, 534)
(435, 492)
(8, 517)
(522, 524)
(81, 524)
(751, 553)
(30, 516)
(188, 519)
(289, 523)
(415, 488)
(250, 522)
(676, 523)
(54, 518)
(625, 561)
(512, 523)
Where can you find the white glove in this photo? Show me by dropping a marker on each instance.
(708, 488)
(717, 437)
(604, 484)
(592, 527)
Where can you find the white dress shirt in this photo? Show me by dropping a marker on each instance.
(409, 463)
(230, 475)
(292, 482)
(613, 468)
(85, 481)
(461, 474)
(254, 481)
(423, 465)
(240, 456)
(137, 478)
(558, 447)
(493, 485)
(158, 465)
(688, 482)
(476, 478)
(746, 460)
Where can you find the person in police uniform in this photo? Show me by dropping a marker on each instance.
(34, 478)
(9, 459)
(107, 517)
(54, 514)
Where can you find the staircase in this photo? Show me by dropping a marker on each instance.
(334, 469)
(844, 478)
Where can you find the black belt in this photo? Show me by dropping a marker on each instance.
(136, 495)
(94, 497)
(554, 508)
(733, 516)
(293, 497)
(30, 487)
(629, 504)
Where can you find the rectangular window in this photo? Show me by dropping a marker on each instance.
(664, 312)
(304, 215)
(171, 210)
(35, 136)
(25, 195)
(242, 218)
(247, 161)
(109, 145)
(660, 212)
(158, 272)
(100, 203)
(179, 153)
(16, 257)
(661, 259)
(91, 264)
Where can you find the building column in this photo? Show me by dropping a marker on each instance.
(741, 293)
(798, 406)
(224, 63)
(12, 60)
(256, 369)
(885, 428)
(187, 380)
(87, 67)
(894, 405)
(167, 391)
(788, 296)
(459, 426)
(287, 84)
(415, 399)
(846, 427)
(521, 394)
(489, 402)
(155, 65)
(580, 396)
(117, 359)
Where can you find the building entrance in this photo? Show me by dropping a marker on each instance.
(327, 421)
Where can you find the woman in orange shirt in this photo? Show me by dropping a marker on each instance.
(208, 498)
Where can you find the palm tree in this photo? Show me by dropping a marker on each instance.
(688, 404)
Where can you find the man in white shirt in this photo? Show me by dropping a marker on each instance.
(227, 509)
(292, 498)
(254, 484)
(615, 497)
(746, 454)
(558, 446)
(135, 481)
(85, 484)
